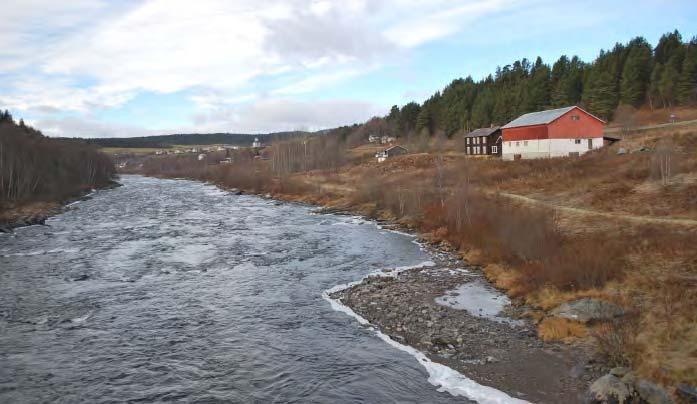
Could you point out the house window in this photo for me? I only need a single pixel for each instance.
(484, 140)
(494, 149)
(577, 141)
(525, 143)
(575, 117)
(517, 144)
(467, 140)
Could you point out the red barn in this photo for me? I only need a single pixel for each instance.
(569, 131)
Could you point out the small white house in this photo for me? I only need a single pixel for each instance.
(256, 143)
(201, 157)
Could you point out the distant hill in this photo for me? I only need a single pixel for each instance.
(166, 141)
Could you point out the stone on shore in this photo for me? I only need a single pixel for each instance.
(586, 310)
(650, 393)
(609, 389)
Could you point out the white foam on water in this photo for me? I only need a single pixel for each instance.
(82, 319)
(350, 220)
(40, 252)
(445, 378)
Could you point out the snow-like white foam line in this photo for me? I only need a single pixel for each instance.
(40, 252)
(445, 378)
(94, 191)
(380, 227)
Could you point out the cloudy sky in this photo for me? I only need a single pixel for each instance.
(98, 68)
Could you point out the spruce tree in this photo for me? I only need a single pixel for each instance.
(668, 84)
(636, 73)
(424, 121)
(654, 92)
(601, 98)
(538, 88)
(687, 84)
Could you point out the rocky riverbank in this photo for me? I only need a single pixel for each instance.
(36, 213)
(498, 350)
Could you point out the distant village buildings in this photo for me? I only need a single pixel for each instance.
(382, 139)
(256, 143)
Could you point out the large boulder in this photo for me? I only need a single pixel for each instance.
(609, 389)
(585, 310)
(650, 393)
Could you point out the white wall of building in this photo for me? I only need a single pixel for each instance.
(542, 148)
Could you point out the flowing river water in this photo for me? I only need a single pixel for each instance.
(172, 290)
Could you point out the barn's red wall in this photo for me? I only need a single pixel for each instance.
(566, 128)
(525, 133)
(563, 128)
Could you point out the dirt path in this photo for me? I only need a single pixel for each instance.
(610, 215)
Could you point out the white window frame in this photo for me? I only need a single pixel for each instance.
(577, 141)
(494, 149)
(467, 140)
(483, 140)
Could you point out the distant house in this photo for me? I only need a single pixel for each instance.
(388, 139)
(374, 139)
(569, 131)
(201, 157)
(390, 152)
(484, 141)
(256, 143)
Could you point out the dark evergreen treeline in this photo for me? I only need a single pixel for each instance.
(166, 141)
(633, 74)
(34, 167)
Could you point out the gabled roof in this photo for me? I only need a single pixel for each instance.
(542, 117)
(396, 147)
(483, 131)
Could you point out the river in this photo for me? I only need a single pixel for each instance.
(172, 290)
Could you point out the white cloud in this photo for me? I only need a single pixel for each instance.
(86, 55)
(80, 127)
(281, 114)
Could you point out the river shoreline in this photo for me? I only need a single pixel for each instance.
(37, 213)
(513, 360)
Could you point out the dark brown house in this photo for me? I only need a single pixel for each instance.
(484, 141)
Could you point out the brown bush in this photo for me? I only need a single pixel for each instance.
(617, 339)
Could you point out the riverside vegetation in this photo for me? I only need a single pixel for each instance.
(38, 173)
(616, 224)
(541, 255)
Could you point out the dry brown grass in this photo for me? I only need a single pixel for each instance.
(560, 329)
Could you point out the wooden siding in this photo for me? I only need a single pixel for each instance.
(583, 127)
(525, 133)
